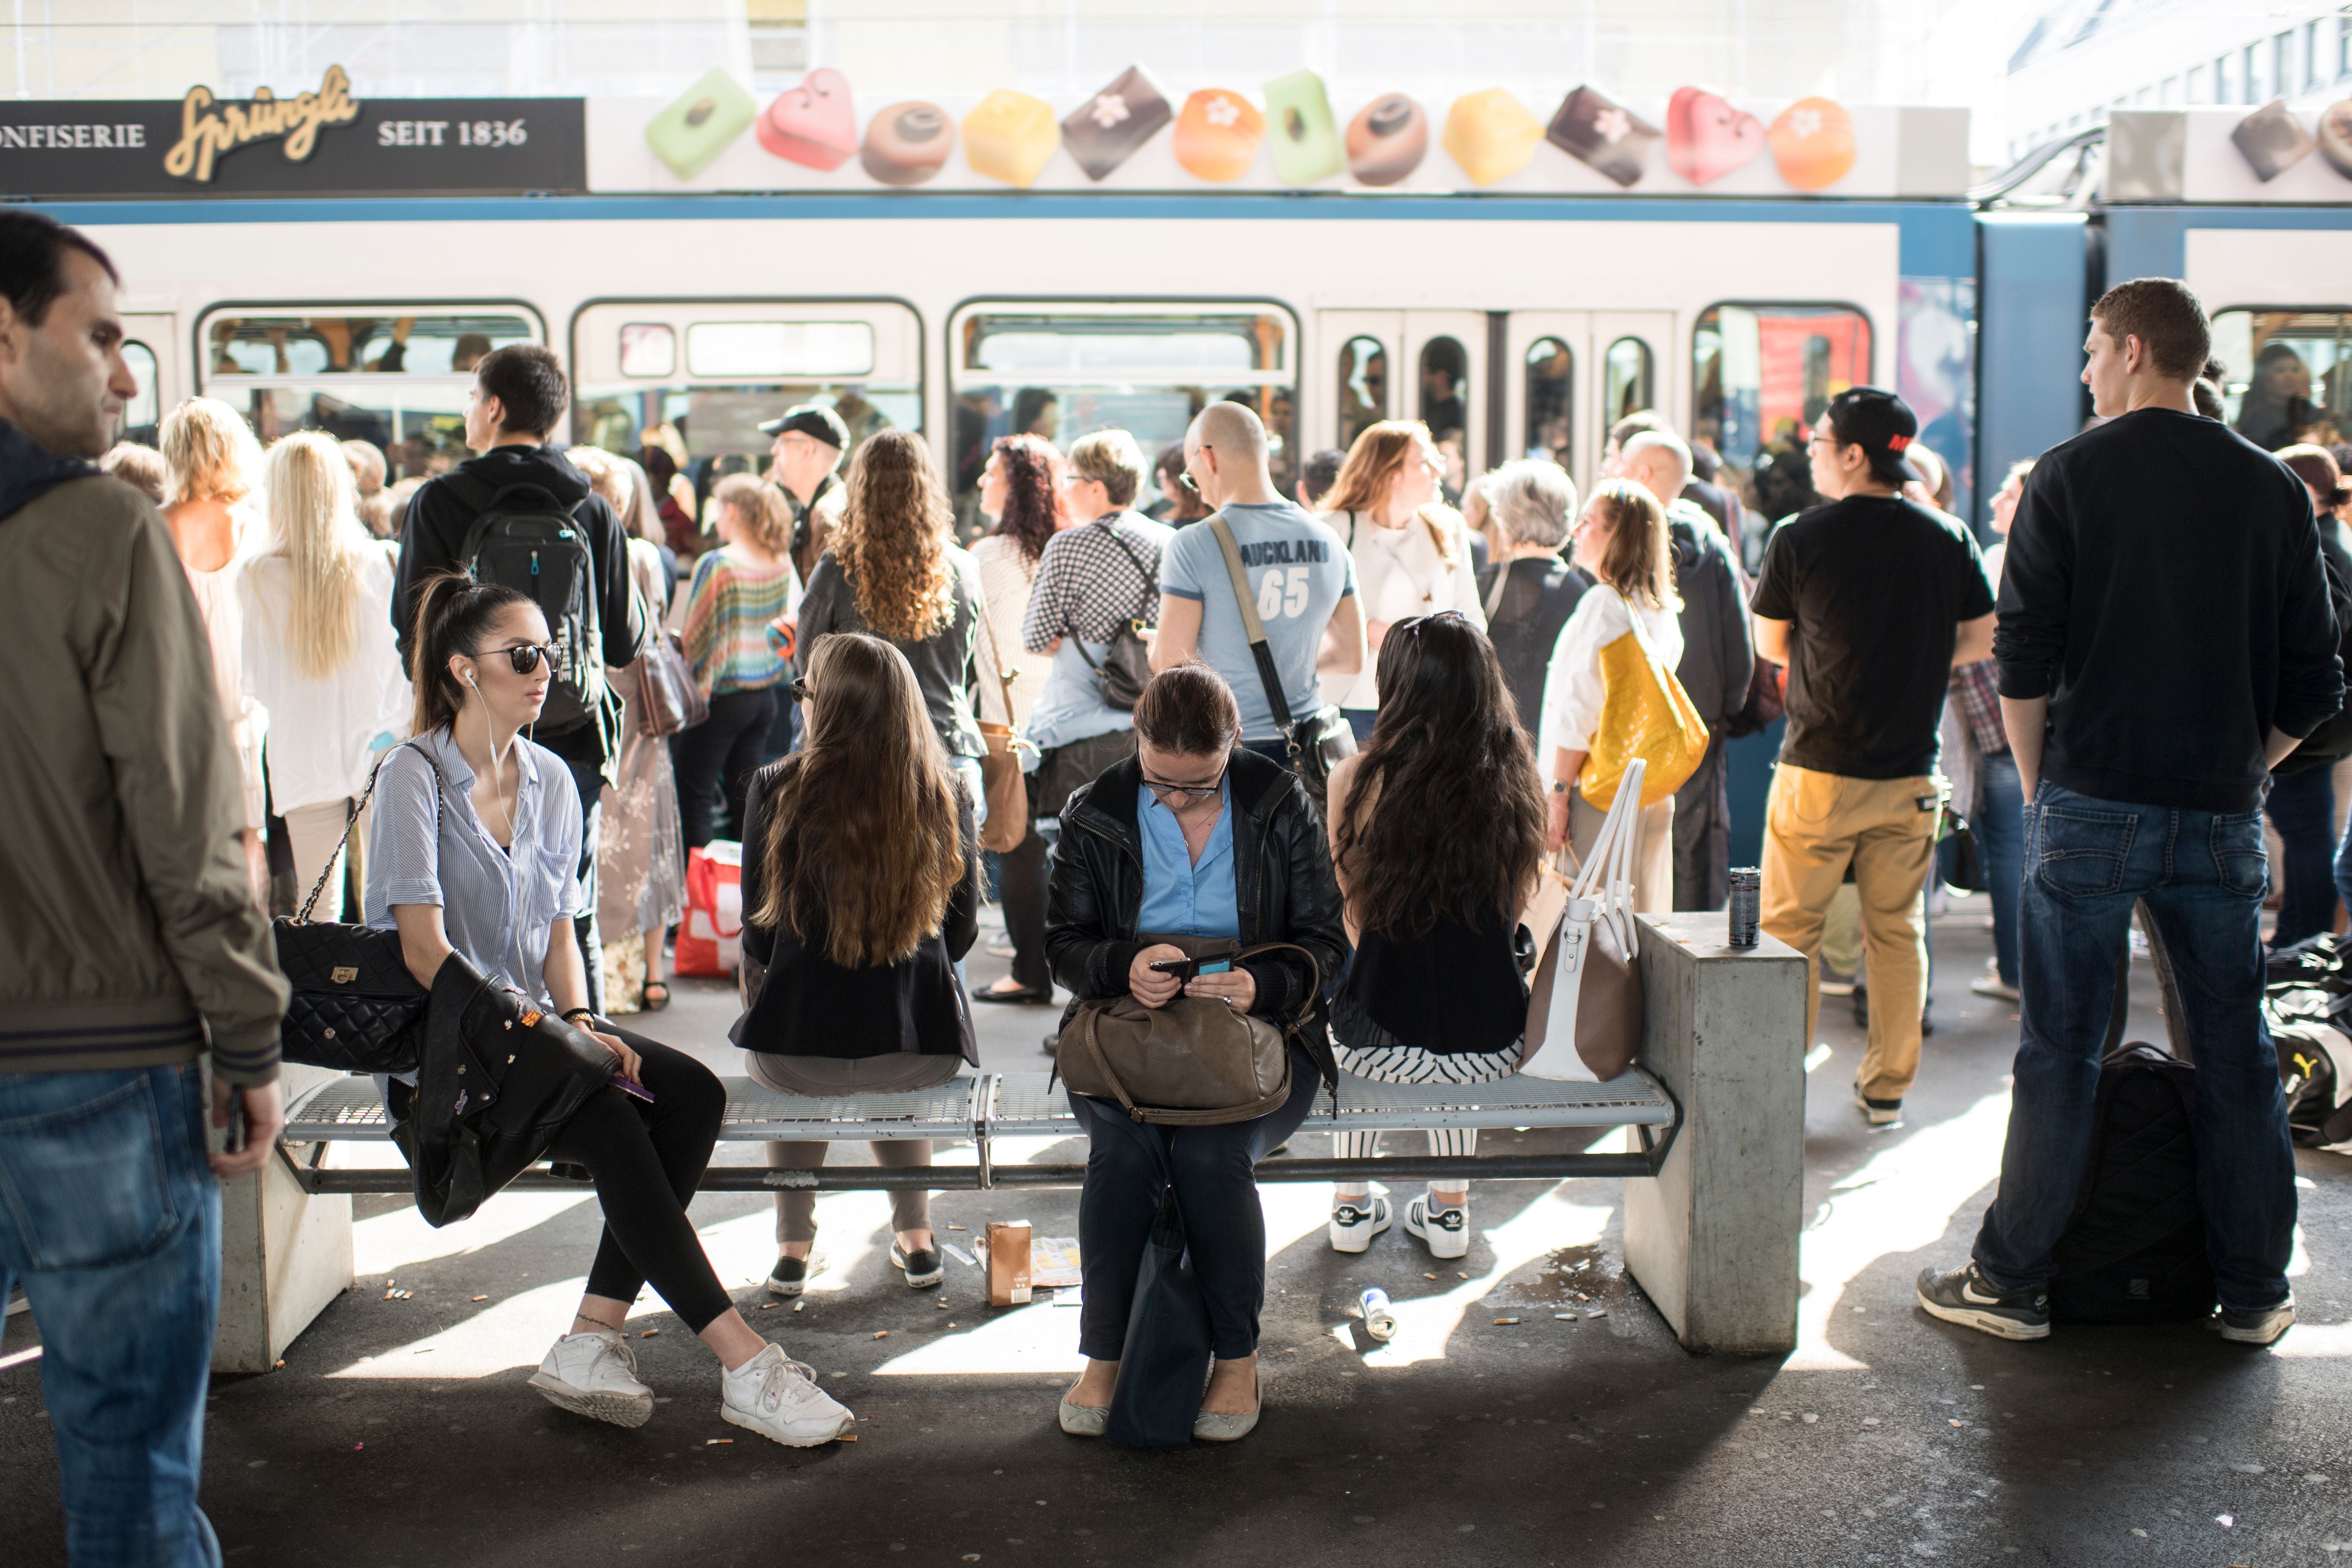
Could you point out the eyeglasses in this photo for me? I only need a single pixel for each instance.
(523, 659)
(799, 689)
(1185, 478)
(1185, 795)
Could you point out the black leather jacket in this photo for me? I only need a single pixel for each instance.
(1282, 879)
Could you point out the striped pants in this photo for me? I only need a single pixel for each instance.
(1364, 1145)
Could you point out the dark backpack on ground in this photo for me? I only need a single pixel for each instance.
(525, 539)
(2134, 1251)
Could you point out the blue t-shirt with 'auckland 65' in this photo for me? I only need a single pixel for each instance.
(1299, 572)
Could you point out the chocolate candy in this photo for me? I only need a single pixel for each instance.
(1217, 134)
(1306, 139)
(1598, 132)
(1387, 140)
(2273, 139)
(700, 123)
(1491, 134)
(1707, 137)
(907, 143)
(1009, 137)
(2335, 136)
(813, 123)
(1109, 128)
(1812, 140)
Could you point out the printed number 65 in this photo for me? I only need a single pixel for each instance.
(1281, 593)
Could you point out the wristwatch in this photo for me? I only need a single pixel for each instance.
(1562, 786)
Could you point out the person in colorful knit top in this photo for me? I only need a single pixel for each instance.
(738, 589)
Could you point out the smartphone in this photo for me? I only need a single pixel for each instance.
(233, 1141)
(1186, 968)
(630, 1086)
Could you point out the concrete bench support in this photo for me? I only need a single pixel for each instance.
(1713, 1240)
(285, 1254)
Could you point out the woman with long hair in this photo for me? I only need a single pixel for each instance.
(1412, 550)
(861, 889)
(1622, 544)
(2277, 404)
(318, 653)
(1436, 829)
(475, 850)
(738, 589)
(1022, 487)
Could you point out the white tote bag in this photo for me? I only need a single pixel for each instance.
(1584, 1000)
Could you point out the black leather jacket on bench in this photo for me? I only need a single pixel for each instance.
(1281, 881)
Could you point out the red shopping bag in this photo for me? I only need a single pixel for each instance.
(710, 941)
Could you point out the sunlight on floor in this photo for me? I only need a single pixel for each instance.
(1426, 1326)
(387, 1242)
(512, 1332)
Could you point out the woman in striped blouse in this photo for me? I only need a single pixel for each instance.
(739, 588)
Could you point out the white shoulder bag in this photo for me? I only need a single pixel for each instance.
(1584, 1000)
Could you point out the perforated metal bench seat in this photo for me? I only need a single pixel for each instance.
(980, 1109)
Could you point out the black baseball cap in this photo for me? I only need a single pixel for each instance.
(1878, 421)
(811, 419)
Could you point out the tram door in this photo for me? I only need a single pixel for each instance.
(151, 348)
(1429, 365)
(1573, 374)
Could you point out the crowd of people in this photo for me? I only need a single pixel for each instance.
(1299, 763)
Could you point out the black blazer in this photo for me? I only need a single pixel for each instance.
(809, 1005)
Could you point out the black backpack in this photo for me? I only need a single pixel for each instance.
(2135, 1250)
(525, 539)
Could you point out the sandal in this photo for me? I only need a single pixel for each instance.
(652, 1003)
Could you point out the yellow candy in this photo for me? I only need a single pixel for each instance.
(1491, 134)
(1010, 137)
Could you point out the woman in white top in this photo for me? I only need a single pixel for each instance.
(214, 463)
(318, 654)
(1622, 545)
(1412, 553)
(1021, 487)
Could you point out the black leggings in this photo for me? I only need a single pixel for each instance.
(1020, 879)
(726, 749)
(647, 1160)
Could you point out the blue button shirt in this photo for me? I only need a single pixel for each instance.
(1181, 897)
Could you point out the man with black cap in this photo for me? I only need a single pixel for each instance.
(809, 441)
(1869, 601)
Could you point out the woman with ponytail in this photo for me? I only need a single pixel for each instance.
(475, 849)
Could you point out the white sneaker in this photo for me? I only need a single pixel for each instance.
(777, 1397)
(1355, 1221)
(1993, 985)
(1446, 1231)
(595, 1375)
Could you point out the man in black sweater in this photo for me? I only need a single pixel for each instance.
(2154, 669)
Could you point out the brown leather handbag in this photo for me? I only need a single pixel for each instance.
(1195, 1062)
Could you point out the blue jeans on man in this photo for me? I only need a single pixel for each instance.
(110, 1220)
(2202, 875)
(2301, 806)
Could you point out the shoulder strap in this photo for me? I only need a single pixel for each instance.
(996, 659)
(1270, 678)
(1133, 559)
(351, 817)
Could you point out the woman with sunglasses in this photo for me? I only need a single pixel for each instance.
(1192, 845)
(475, 849)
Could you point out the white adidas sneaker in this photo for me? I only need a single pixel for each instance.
(1355, 1221)
(595, 1375)
(777, 1397)
(1445, 1231)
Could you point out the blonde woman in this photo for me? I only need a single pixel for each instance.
(318, 653)
(739, 588)
(1412, 552)
(1622, 545)
(213, 463)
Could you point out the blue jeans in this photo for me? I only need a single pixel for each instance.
(2301, 806)
(2202, 876)
(2000, 838)
(110, 1220)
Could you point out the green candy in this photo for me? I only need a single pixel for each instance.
(1300, 130)
(701, 123)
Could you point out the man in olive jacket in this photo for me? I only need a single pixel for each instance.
(133, 942)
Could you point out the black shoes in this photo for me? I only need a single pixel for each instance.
(922, 1267)
(1966, 1297)
(1026, 996)
(790, 1274)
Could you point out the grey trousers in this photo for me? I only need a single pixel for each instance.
(821, 1077)
(1703, 834)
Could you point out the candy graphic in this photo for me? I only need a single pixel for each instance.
(1106, 130)
(1009, 137)
(2335, 136)
(813, 123)
(1217, 134)
(1812, 140)
(1305, 138)
(907, 143)
(2273, 139)
(1491, 134)
(1593, 130)
(1707, 137)
(699, 125)
(1387, 140)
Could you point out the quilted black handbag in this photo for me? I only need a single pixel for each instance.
(355, 1006)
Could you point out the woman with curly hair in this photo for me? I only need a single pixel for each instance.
(1436, 829)
(892, 570)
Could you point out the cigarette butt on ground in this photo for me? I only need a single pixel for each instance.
(1501, 1321)
(481, 1298)
(649, 1333)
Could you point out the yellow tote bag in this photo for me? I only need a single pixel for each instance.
(1644, 714)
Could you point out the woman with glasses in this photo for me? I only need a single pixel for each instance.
(861, 890)
(1436, 828)
(475, 849)
(738, 590)
(1193, 847)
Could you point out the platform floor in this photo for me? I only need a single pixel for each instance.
(1886, 1439)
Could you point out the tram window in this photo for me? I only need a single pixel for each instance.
(1066, 371)
(759, 350)
(1363, 387)
(1444, 384)
(1626, 379)
(649, 348)
(1760, 377)
(144, 413)
(1551, 391)
(2289, 374)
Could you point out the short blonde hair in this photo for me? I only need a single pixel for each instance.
(209, 451)
(1112, 460)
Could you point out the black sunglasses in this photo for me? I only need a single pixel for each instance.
(523, 659)
(799, 689)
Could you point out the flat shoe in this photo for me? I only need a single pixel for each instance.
(651, 1002)
(1085, 1420)
(1209, 1427)
(1026, 996)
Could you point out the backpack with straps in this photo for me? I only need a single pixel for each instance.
(525, 539)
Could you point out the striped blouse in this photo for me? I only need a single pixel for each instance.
(727, 610)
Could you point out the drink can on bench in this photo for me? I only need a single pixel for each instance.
(1746, 907)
